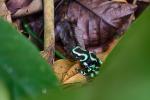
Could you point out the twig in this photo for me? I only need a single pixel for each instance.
(30, 32)
(134, 2)
(49, 37)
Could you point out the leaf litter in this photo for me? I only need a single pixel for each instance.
(97, 26)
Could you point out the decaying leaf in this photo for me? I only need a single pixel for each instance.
(142, 5)
(78, 78)
(4, 11)
(104, 55)
(33, 7)
(92, 24)
(61, 67)
(72, 71)
(66, 72)
(96, 22)
(14, 5)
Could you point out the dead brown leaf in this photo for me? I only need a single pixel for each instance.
(72, 71)
(104, 55)
(14, 5)
(33, 7)
(78, 78)
(4, 12)
(61, 67)
(66, 72)
(94, 23)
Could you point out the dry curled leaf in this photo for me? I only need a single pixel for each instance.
(66, 72)
(96, 22)
(33, 7)
(61, 67)
(77, 78)
(72, 71)
(18, 4)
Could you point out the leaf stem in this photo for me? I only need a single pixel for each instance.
(29, 31)
(58, 54)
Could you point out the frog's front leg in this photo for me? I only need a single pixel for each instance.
(83, 72)
(89, 72)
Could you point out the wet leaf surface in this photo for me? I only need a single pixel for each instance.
(126, 73)
(21, 67)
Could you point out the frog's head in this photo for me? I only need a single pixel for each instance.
(86, 58)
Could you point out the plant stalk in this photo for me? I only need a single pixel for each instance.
(49, 37)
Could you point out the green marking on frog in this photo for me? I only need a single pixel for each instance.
(79, 54)
(89, 61)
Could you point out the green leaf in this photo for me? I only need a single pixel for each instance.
(124, 76)
(21, 66)
(4, 93)
(126, 73)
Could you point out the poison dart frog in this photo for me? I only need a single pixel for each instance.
(91, 64)
(89, 61)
